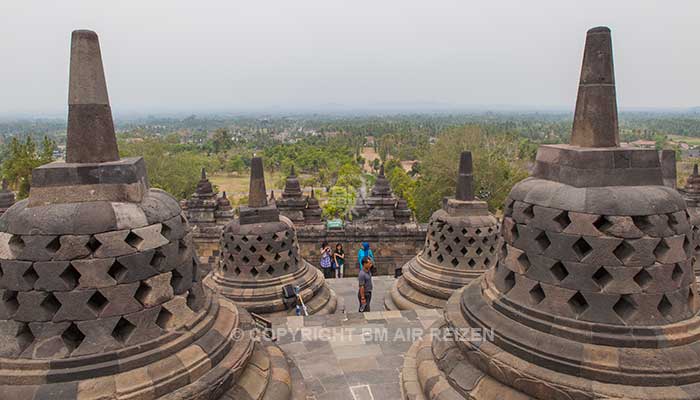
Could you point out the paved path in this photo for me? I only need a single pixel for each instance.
(346, 288)
(354, 356)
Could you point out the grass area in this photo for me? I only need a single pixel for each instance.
(693, 141)
(236, 186)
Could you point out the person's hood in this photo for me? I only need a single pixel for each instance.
(365, 246)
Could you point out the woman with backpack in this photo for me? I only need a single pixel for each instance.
(326, 266)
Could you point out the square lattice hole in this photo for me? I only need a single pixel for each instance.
(677, 273)
(643, 278)
(536, 294)
(625, 307)
(665, 307)
(559, 271)
(582, 248)
(602, 277)
(578, 303)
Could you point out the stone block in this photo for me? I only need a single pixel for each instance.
(113, 244)
(120, 300)
(137, 266)
(155, 290)
(17, 275)
(151, 237)
(55, 275)
(95, 272)
(72, 247)
(35, 306)
(79, 305)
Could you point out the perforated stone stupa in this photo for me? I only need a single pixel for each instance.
(461, 244)
(7, 197)
(99, 292)
(260, 255)
(208, 213)
(594, 295)
(691, 194)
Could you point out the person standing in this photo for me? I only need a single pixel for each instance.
(364, 294)
(339, 258)
(326, 266)
(364, 251)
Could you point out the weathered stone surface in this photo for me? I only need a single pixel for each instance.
(89, 266)
(90, 136)
(260, 255)
(593, 295)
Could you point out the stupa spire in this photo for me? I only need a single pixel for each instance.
(90, 137)
(204, 173)
(465, 180)
(595, 118)
(257, 196)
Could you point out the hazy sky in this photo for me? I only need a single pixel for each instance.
(166, 55)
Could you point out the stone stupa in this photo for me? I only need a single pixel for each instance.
(99, 292)
(7, 197)
(260, 255)
(691, 194)
(207, 213)
(462, 243)
(381, 206)
(292, 203)
(313, 211)
(594, 295)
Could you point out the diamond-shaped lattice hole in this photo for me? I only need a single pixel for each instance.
(142, 292)
(254, 271)
(686, 245)
(450, 229)
(623, 251)
(70, 276)
(559, 271)
(471, 263)
(165, 231)
(117, 271)
(563, 220)
(485, 239)
(677, 273)
(464, 251)
(237, 248)
(487, 261)
(97, 302)
(24, 336)
(30, 276)
(72, 337)
(259, 238)
(269, 248)
(582, 248)
(50, 304)
(134, 240)
(514, 232)
(164, 318)
(602, 277)
(157, 260)
(244, 238)
(529, 211)
(661, 249)
(457, 240)
(478, 231)
(252, 249)
(16, 243)
(542, 241)
(442, 238)
(261, 259)
(176, 279)
(471, 241)
(642, 222)
(440, 258)
(54, 245)
(536, 294)
(448, 249)
(454, 262)
(237, 271)
(479, 251)
(643, 278)
(270, 270)
(625, 307)
(665, 307)
(602, 223)
(524, 261)
(578, 303)
(277, 256)
(286, 266)
(123, 330)
(245, 259)
(9, 301)
(464, 231)
(509, 281)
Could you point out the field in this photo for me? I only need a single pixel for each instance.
(691, 140)
(236, 186)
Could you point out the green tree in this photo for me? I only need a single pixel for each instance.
(21, 159)
(340, 201)
(495, 171)
(221, 141)
(403, 186)
(175, 172)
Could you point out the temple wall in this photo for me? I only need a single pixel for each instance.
(392, 247)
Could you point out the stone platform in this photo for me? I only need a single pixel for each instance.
(355, 356)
